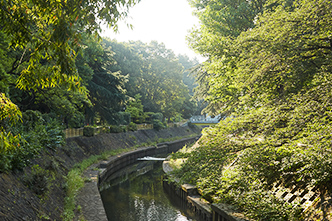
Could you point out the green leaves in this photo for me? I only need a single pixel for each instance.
(9, 112)
(52, 30)
(155, 73)
(270, 72)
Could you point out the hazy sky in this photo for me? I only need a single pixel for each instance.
(166, 21)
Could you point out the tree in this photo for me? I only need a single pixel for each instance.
(273, 78)
(107, 94)
(155, 73)
(39, 42)
(51, 31)
(188, 79)
(135, 108)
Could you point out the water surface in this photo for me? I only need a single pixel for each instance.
(136, 194)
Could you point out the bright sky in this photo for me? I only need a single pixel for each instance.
(165, 21)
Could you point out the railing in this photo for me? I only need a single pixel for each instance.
(77, 132)
(144, 126)
(73, 132)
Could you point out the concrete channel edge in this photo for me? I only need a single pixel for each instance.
(89, 197)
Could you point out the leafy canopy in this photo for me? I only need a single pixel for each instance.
(269, 70)
(51, 31)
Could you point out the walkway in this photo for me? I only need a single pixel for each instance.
(89, 197)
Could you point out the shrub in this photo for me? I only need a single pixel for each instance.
(35, 133)
(158, 125)
(76, 120)
(124, 128)
(125, 118)
(157, 116)
(121, 118)
(39, 180)
(132, 127)
(88, 131)
(116, 129)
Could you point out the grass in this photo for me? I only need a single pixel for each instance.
(75, 181)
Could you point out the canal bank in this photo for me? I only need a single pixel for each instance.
(89, 199)
(21, 201)
(189, 195)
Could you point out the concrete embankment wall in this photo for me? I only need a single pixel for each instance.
(89, 198)
(118, 162)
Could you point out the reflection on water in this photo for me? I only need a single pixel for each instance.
(140, 197)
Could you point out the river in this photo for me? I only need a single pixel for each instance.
(136, 193)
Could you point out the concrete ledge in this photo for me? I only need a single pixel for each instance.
(115, 163)
(202, 208)
(227, 212)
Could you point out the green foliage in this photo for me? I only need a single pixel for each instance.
(49, 31)
(9, 112)
(39, 181)
(124, 128)
(107, 94)
(88, 131)
(124, 118)
(132, 126)
(135, 108)
(41, 131)
(269, 71)
(9, 143)
(157, 116)
(116, 129)
(34, 135)
(74, 182)
(157, 124)
(76, 120)
(187, 78)
(155, 73)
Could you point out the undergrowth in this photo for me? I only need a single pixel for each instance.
(75, 180)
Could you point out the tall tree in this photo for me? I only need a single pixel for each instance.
(155, 73)
(273, 77)
(106, 88)
(39, 41)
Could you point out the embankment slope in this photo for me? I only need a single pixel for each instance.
(37, 192)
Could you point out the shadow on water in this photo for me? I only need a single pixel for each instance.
(136, 193)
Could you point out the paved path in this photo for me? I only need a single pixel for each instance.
(89, 197)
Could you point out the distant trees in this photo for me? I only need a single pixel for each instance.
(156, 74)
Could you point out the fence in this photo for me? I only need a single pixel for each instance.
(73, 132)
(77, 132)
(144, 126)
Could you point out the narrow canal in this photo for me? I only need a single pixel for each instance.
(136, 193)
